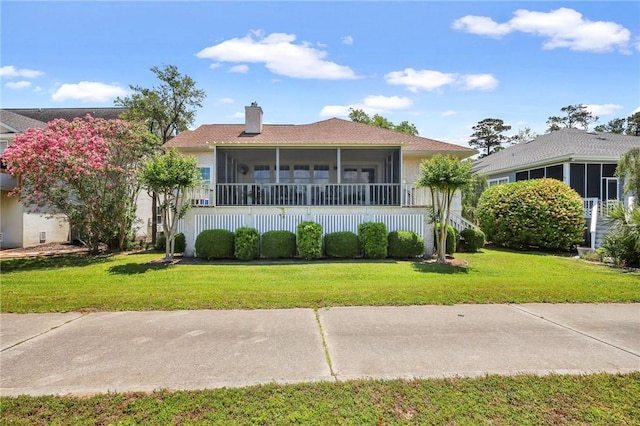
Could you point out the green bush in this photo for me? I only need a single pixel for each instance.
(622, 243)
(309, 240)
(247, 244)
(373, 240)
(278, 244)
(405, 244)
(215, 244)
(544, 213)
(343, 245)
(474, 239)
(179, 245)
(453, 239)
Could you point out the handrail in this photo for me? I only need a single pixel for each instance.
(460, 223)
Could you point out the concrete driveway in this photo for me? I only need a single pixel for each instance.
(74, 353)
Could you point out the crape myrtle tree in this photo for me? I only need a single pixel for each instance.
(488, 137)
(166, 109)
(169, 176)
(443, 175)
(85, 169)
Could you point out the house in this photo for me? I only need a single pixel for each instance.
(335, 172)
(584, 160)
(20, 226)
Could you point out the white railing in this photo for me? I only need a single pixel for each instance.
(333, 194)
(460, 223)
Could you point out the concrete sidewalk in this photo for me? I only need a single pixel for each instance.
(142, 351)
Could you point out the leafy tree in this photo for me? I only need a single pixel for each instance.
(443, 175)
(622, 243)
(168, 176)
(87, 170)
(629, 170)
(617, 125)
(576, 116)
(471, 195)
(166, 109)
(628, 126)
(524, 135)
(359, 116)
(488, 135)
(633, 124)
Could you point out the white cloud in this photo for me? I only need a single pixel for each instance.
(280, 55)
(242, 69)
(227, 101)
(215, 65)
(236, 115)
(17, 85)
(429, 80)
(561, 28)
(348, 40)
(605, 109)
(635, 110)
(479, 82)
(448, 113)
(372, 104)
(88, 91)
(481, 25)
(420, 79)
(37, 89)
(9, 71)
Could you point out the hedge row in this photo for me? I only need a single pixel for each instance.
(372, 242)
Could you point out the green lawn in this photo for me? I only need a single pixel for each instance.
(134, 282)
(519, 400)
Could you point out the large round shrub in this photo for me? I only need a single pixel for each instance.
(309, 240)
(453, 239)
(342, 245)
(179, 243)
(474, 239)
(278, 244)
(373, 240)
(405, 244)
(247, 243)
(543, 213)
(215, 244)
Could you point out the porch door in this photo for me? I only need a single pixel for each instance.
(354, 178)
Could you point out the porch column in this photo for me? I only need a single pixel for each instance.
(277, 164)
(339, 163)
(214, 178)
(566, 172)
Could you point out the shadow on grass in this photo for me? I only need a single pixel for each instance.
(51, 262)
(136, 268)
(434, 268)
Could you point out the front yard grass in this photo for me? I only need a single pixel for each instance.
(528, 400)
(134, 282)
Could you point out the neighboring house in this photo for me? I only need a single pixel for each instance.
(335, 172)
(584, 160)
(20, 226)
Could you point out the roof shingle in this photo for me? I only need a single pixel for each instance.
(333, 131)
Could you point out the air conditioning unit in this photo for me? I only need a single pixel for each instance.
(43, 237)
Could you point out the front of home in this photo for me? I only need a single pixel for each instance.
(334, 172)
(586, 161)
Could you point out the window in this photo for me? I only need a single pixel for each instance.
(3, 146)
(498, 181)
(284, 174)
(261, 174)
(205, 174)
(522, 176)
(321, 174)
(301, 174)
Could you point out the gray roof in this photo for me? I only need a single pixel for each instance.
(559, 146)
(47, 114)
(19, 123)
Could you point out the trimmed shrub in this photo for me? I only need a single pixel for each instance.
(278, 244)
(309, 240)
(373, 240)
(215, 244)
(453, 239)
(544, 213)
(179, 246)
(343, 245)
(247, 244)
(474, 239)
(405, 244)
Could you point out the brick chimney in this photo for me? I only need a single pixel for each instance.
(253, 119)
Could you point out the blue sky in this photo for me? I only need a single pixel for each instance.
(443, 66)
